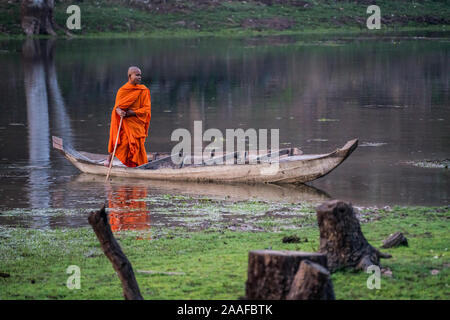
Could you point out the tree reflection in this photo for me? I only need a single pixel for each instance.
(42, 91)
(38, 122)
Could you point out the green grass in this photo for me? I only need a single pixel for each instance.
(215, 260)
(111, 19)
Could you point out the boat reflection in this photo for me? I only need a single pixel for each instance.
(238, 191)
(127, 208)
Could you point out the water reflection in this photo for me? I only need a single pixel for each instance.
(61, 120)
(40, 79)
(38, 122)
(127, 208)
(239, 191)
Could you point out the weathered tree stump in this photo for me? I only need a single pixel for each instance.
(99, 222)
(312, 282)
(37, 17)
(342, 240)
(270, 273)
(395, 240)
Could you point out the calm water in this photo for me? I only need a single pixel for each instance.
(393, 94)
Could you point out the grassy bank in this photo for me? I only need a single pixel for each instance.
(236, 18)
(213, 259)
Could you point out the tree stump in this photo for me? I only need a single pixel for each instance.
(37, 17)
(312, 282)
(270, 273)
(99, 222)
(342, 240)
(395, 240)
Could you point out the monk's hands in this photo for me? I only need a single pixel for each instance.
(124, 114)
(121, 112)
(130, 113)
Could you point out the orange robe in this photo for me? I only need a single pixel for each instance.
(130, 146)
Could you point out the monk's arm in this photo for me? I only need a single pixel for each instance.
(121, 111)
(121, 106)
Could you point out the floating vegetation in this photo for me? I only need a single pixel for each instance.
(384, 106)
(327, 120)
(372, 144)
(326, 43)
(438, 164)
(316, 140)
(160, 213)
(47, 212)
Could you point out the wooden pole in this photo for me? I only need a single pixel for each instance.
(99, 222)
(114, 152)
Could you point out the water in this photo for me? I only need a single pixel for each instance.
(393, 94)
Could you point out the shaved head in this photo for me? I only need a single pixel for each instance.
(134, 75)
(133, 69)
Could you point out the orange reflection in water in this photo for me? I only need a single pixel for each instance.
(128, 211)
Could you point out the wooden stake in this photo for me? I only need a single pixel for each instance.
(99, 222)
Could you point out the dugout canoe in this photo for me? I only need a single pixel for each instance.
(291, 166)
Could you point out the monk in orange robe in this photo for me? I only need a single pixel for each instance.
(134, 105)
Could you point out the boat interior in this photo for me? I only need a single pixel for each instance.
(159, 160)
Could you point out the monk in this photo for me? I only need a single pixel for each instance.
(134, 106)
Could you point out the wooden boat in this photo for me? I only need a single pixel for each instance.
(278, 166)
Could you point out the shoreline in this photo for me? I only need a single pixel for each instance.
(196, 211)
(231, 34)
